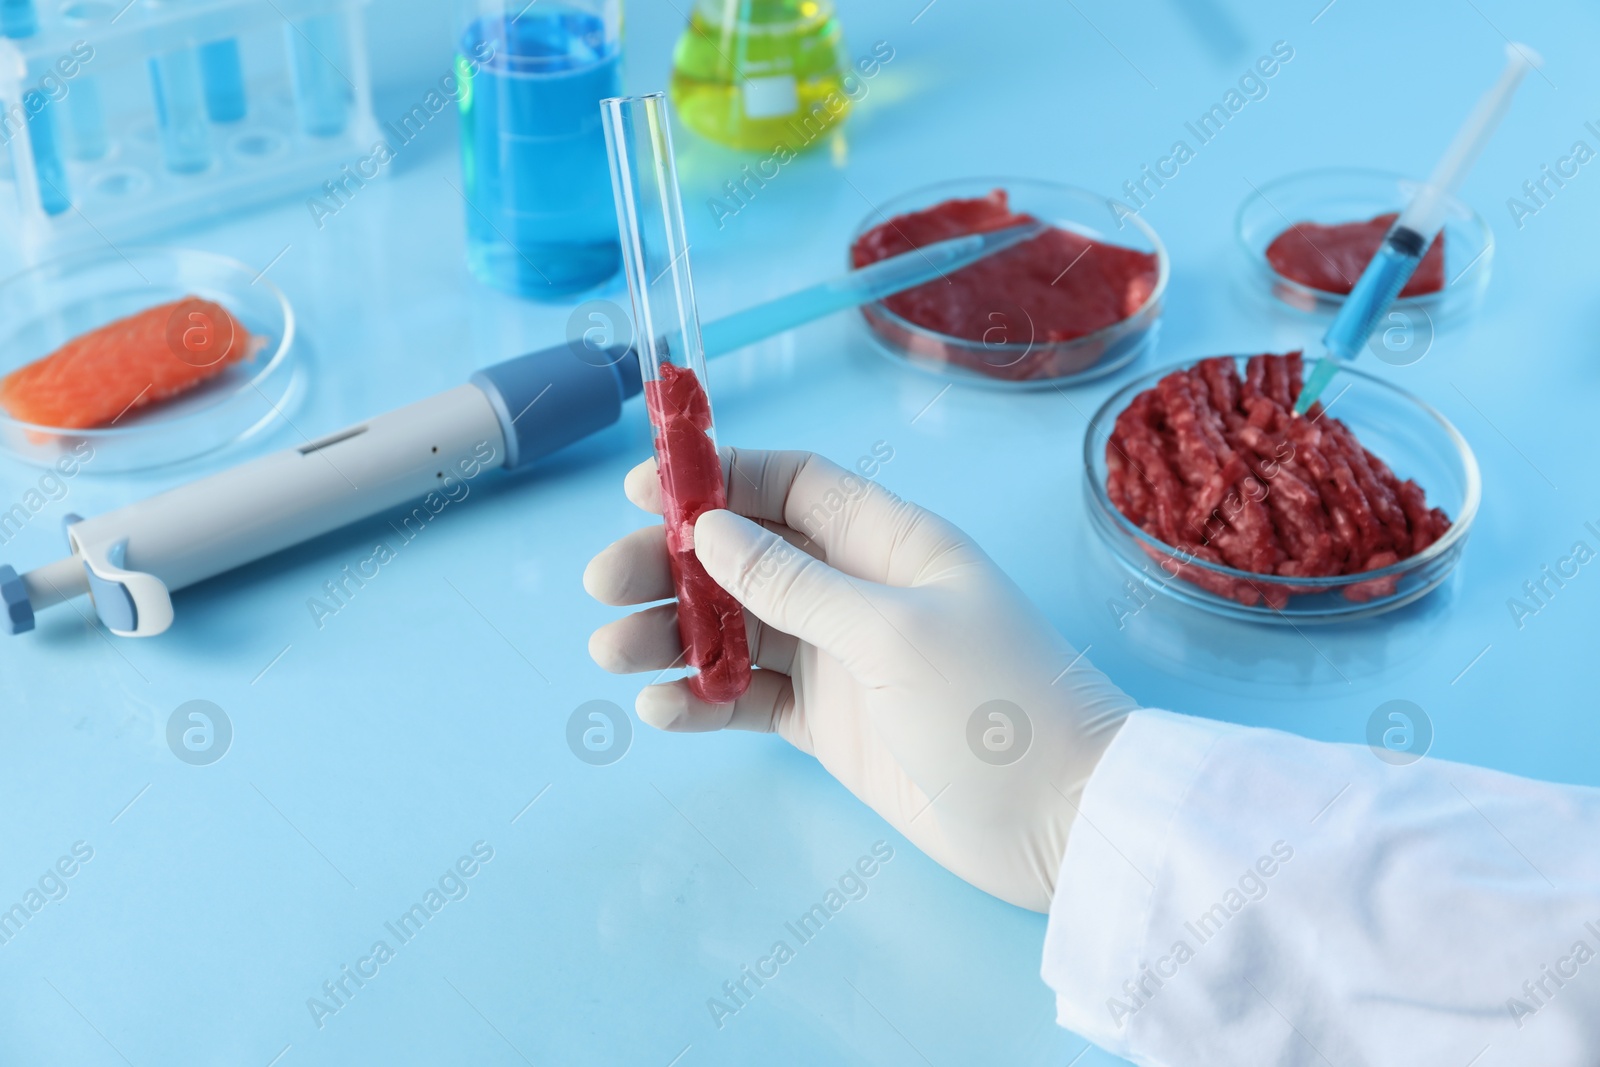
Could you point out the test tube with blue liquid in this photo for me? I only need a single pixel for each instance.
(63, 83)
(539, 212)
(224, 80)
(47, 163)
(191, 86)
(18, 19)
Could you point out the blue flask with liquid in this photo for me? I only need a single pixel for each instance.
(539, 213)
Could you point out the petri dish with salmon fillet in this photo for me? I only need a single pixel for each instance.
(139, 360)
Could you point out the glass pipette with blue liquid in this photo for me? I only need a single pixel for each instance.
(1408, 239)
(862, 286)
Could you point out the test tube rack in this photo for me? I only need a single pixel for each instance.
(120, 122)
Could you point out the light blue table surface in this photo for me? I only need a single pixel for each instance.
(428, 715)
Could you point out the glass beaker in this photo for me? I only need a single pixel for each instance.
(540, 221)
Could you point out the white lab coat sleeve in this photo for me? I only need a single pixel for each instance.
(1235, 896)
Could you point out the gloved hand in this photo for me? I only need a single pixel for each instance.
(891, 649)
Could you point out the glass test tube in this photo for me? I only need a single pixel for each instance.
(224, 80)
(47, 164)
(85, 121)
(322, 94)
(18, 18)
(180, 111)
(644, 182)
(86, 118)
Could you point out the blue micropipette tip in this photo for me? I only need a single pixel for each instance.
(1321, 375)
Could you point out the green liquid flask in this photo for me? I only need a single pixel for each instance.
(757, 74)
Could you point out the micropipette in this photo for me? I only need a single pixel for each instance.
(130, 560)
(1408, 239)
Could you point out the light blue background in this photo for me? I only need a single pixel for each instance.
(428, 713)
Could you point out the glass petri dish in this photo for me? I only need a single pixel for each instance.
(1025, 364)
(1349, 194)
(1416, 441)
(46, 306)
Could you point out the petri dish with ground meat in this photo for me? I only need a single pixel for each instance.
(1207, 488)
(1078, 302)
(1307, 236)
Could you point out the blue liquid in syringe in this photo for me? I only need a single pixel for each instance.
(1377, 288)
(1369, 300)
(540, 217)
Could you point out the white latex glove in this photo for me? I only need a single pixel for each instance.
(880, 631)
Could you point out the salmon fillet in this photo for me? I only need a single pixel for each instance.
(97, 377)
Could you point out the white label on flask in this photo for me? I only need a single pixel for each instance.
(771, 97)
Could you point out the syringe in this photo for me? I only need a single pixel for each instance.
(1403, 246)
(509, 416)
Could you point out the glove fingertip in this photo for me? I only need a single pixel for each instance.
(594, 580)
(718, 536)
(663, 706)
(642, 486)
